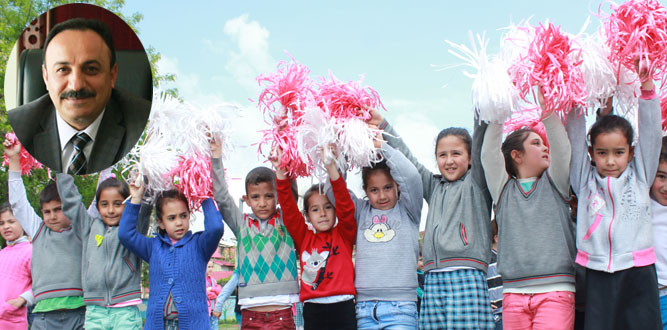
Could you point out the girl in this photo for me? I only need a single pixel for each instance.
(177, 258)
(614, 238)
(457, 239)
(327, 272)
(387, 242)
(535, 231)
(212, 291)
(111, 274)
(16, 279)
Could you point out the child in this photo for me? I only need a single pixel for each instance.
(327, 272)
(659, 208)
(535, 231)
(212, 291)
(111, 273)
(16, 280)
(457, 237)
(56, 255)
(267, 263)
(387, 242)
(177, 258)
(614, 239)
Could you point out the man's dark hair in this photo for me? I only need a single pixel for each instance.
(259, 175)
(49, 194)
(83, 24)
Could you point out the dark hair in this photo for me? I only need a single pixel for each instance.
(5, 207)
(663, 150)
(514, 141)
(460, 133)
(259, 175)
(166, 195)
(608, 124)
(49, 194)
(123, 188)
(314, 189)
(367, 171)
(83, 24)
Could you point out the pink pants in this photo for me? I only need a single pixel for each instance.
(550, 310)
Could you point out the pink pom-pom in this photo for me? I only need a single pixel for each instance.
(663, 107)
(347, 100)
(285, 138)
(192, 177)
(637, 29)
(527, 119)
(552, 64)
(289, 86)
(27, 162)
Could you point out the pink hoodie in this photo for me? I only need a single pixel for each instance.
(16, 279)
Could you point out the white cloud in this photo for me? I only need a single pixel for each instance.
(252, 56)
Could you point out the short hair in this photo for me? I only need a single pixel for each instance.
(49, 194)
(460, 133)
(123, 188)
(608, 124)
(6, 207)
(172, 194)
(259, 175)
(663, 150)
(83, 24)
(514, 141)
(368, 170)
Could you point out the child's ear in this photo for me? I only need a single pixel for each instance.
(632, 153)
(245, 198)
(516, 156)
(160, 224)
(590, 154)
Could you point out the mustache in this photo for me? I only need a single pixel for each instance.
(80, 94)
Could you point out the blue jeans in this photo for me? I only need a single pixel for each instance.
(394, 315)
(663, 311)
(214, 323)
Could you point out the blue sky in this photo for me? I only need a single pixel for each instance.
(218, 47)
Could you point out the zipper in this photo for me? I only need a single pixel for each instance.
(613, 214)
(107, 297)
(436, 261)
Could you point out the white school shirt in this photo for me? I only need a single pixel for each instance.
(66, 132)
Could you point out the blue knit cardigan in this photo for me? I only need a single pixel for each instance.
(179, 268)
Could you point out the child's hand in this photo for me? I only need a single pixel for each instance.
(275, 157)
(644, 75)
(376, 117)
(330, 163)
(137, 189)
(216, 146)
(13, 152)
(216, 314)
(607, 106)
(17, 302)
(378, 140)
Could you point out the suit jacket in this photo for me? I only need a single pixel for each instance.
(123, 123)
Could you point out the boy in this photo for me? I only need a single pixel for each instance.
(659, 208)
(268, 283)
(56, 257)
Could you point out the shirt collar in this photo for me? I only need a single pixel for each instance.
(66, 132)
(18, 240)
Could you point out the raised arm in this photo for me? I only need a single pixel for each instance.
(649, 130)
(127, 230)
(493, 161)
(72, 205)
(18, 199)
(213, 229)
(347, 223)
(408, 179)
(477, 170)
(227, 291)
(559, 153)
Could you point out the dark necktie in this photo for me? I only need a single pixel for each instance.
(78, 163)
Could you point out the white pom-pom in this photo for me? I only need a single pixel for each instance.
(314, 134)
(356, 141)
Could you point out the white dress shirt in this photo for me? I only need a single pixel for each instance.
(66, 132)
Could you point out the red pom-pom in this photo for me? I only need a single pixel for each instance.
(347, 100)
(192, 177)
(289, 86)
(637, 29)
(28, 163)
(552, 64)
(527, 119)
(285, 138)
(663, 107)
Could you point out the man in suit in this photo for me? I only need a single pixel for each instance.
(84, 124)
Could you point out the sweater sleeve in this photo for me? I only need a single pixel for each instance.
(292, 218)
(649, 141)
(231, 213)
(476, 169)
(72, 205)
(396, 142)
(213, 229)
(493, 161)
(128, 235)
(21, 208)
(559, 149)
(408, 179)
(347, 224)
(580, 163)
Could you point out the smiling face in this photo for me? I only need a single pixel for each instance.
(611, 153)
(452, 156)
(78, 75)
(54, 218)
(111, 206)
(659, 187)
(262, 199)
(534, 159)
(175, 219)
(320, 213)
(382, 190)
(10, 228)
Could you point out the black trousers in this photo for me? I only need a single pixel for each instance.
(337, 316)
(623, 300)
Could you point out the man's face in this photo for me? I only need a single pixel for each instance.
(78, 76)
